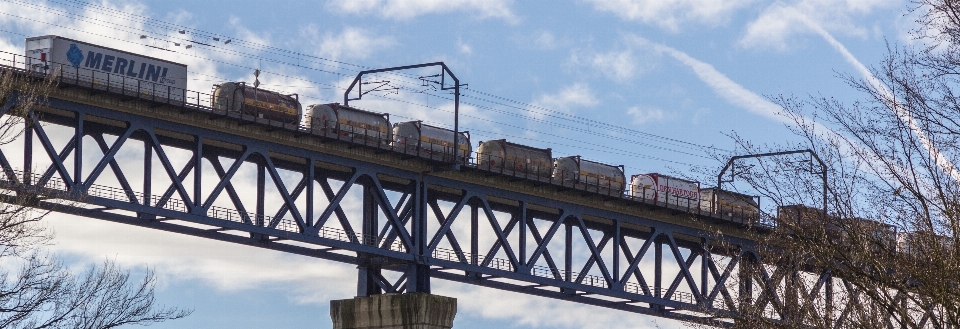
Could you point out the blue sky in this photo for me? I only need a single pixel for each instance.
(647, 84)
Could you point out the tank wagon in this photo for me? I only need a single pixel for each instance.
(879, 236)
(514, 159)
(350, 124)
(873, 233)
(806, 217)
(676, 192)
(435, 143)
(589, 175)
(238, 98)
(742, 207)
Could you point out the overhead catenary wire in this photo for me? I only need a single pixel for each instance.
(336, 87)
(164, 38)
(500, 134)
(187, 29)
(537, 109)
(497, 135)
(585, 121)
(618, 152)
(646, 156)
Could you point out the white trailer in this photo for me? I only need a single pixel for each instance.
(665, 189)
(106, 68)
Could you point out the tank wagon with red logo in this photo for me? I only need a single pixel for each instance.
(675, 192)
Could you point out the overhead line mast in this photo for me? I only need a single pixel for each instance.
(442, 83)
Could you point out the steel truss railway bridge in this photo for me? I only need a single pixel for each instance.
(417, 221)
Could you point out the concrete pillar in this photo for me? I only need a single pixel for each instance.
(394, 311)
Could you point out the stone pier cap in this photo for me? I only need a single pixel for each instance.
(394, 311)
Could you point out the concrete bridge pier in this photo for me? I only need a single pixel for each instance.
(394, 311)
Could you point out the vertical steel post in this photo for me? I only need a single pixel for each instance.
(657, 266)
(367, 274)
(522, 212)
(311, 180)
(147, 176)
(745, 294)
(617, 239)
(828, 299)
(456, 124)
(474, 232)
(197, 174)
(791, 299)
(261, 191)
(568, 252)
(78, 152)
(28, 151)
(704, 268)
(418, 275)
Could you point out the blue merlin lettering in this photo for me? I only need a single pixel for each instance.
(74, 55)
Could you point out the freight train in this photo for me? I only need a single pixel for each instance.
(160, 80)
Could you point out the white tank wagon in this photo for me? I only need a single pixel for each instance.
(435, 143)
(739, 207)
(236, 98)
(663, 189)
(349, 124)
(519, 160)
(589, 175)
(107, 68)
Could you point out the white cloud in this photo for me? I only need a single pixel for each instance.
(176, 257)
(641, 115)
(670, 14)
(573, 96)
(464, 47)
(618, 65)
(720, 83)
(780, 21)
(406, 9)
(545, 40)
(351, 43)
(248, 35)
(941, 160)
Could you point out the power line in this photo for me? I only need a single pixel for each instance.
(542, 110)
(560, 115)
(595, 123)
(619, 151)
(187, 29)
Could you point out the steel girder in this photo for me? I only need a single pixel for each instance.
(411, 225)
